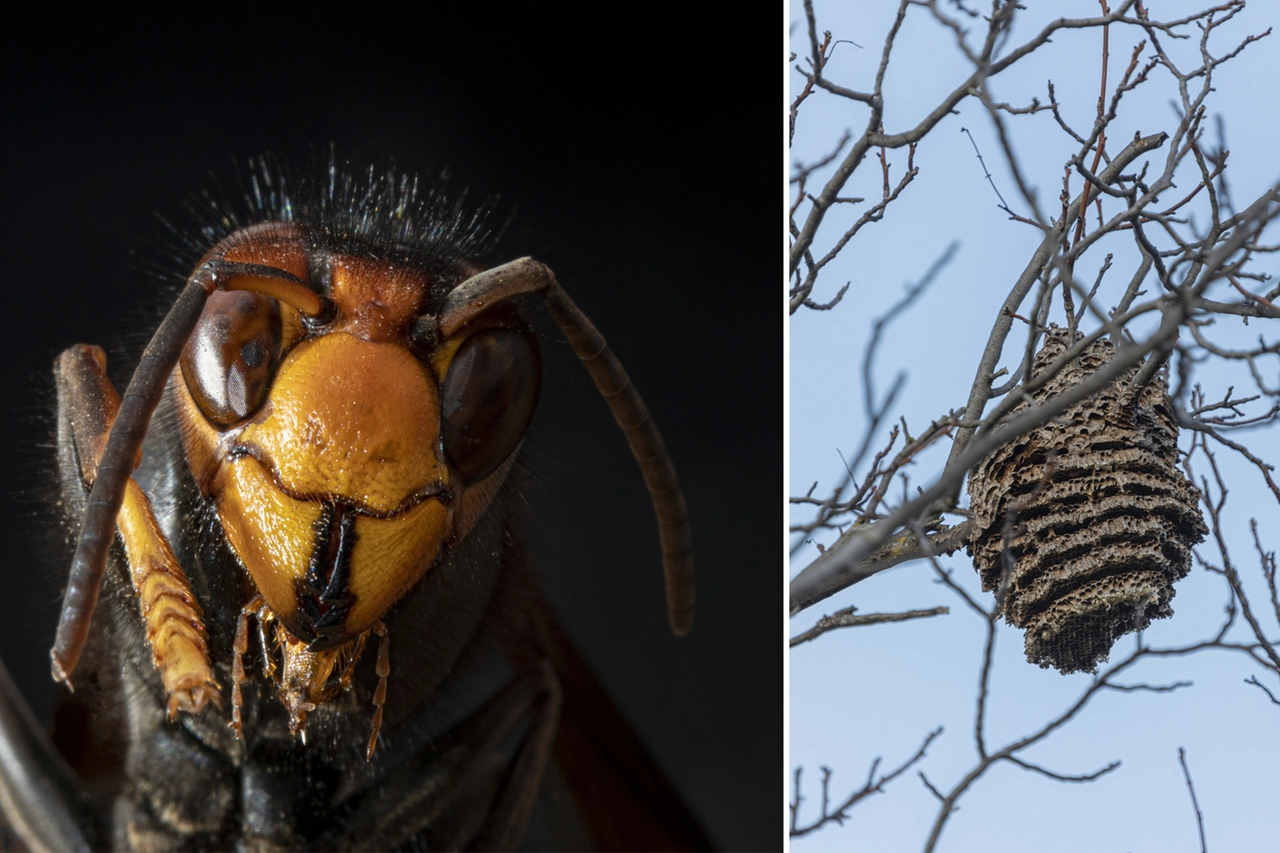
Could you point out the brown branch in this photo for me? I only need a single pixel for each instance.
(846, 619)
(1186, 774)
(872, 139)
(979, 393)
(1102, 137)
(1253, 679)
(903, 547)
(819, 60)
(872, 786)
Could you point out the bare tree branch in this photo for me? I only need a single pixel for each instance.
(846, 619)
(873, 785)
(1186, 773)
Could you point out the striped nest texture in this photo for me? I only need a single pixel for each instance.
(1099, 518)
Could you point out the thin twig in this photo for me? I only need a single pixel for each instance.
(846, 619)
(1186, 773)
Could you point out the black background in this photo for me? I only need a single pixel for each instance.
(638, 151)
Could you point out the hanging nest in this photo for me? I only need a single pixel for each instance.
(1097, 517)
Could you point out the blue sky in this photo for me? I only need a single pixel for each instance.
(861, 693)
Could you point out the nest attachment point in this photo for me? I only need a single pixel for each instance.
(1098, 519)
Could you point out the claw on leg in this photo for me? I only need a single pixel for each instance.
(380, 693)
(175, 623)
(237, 660)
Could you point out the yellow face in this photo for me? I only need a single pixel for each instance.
(342, 459)
(341, 476)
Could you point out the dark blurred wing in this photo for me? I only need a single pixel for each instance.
(623, 798)
(42, 804)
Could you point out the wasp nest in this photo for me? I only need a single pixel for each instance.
(1098, 520)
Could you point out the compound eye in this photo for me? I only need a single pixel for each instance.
(488, 398)
(232, 355)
